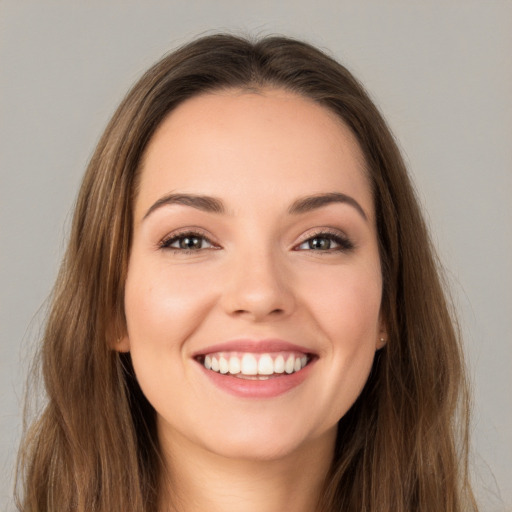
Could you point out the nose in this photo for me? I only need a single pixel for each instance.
(259, 287)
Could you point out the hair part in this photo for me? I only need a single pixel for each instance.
(95, 447)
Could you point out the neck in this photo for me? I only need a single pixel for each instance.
(199, 480)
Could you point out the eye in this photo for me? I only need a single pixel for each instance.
(188, 242)
(326, 242)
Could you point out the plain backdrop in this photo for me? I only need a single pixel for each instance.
(441, 72)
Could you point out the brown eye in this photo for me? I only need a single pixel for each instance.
(190, 242)
(187, 242)
(319, 243)
(326, 242)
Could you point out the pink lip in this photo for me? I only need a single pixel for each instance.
(270, 388)
(256, 347)
(245, 388)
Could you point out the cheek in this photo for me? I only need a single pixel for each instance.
(160, 303)
(351, 322)
(346, 310)
(346, 304)
(163, 309)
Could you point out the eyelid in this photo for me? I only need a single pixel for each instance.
(345, 243)
(165, 242)
(321, 231)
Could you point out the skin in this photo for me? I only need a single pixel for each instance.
(258, 278)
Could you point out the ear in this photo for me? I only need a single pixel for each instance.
(381, 342)
(382, 338)
(122, 344)
(118, 339)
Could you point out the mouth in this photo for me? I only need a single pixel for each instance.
(256, 369)
(255, 365)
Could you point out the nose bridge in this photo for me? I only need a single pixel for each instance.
(258, 283)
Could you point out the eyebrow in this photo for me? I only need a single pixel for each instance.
(214, 205)
(204, 203)
(309, 203)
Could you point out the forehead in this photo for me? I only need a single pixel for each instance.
(271, 145)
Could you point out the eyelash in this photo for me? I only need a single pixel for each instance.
(166, 243)
(344, 244)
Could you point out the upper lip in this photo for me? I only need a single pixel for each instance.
(254, 346)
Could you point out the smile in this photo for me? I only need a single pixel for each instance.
(256, 369)
(259, 366)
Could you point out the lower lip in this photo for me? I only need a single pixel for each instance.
(269, 388)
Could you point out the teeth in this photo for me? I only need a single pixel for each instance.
(234, 365)
(249, 365)
(259, 365)
(278, 364)
(265, 365)
(223, 365)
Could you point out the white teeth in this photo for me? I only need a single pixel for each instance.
(223, 365)
(279, 364)
(265, 365)
(234, 365)
(249, 365)
(259, 365)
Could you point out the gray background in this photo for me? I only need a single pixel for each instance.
(441, 72)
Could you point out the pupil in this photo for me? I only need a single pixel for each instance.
(320, 244)
(190, 242)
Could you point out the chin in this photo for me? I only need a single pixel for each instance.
(267, 442)
(257, 451)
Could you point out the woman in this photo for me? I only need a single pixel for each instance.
(249, 314)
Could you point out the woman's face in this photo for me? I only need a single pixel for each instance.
(254, 283)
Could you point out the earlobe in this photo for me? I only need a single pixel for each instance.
(117, 336)
(381, 342)
(122, 344)
(383, 335)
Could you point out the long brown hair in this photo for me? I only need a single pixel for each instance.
(403, 445)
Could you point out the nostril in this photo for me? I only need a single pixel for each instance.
(277, 311)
